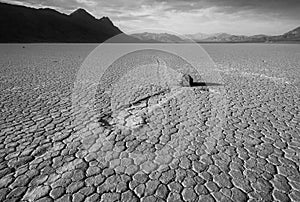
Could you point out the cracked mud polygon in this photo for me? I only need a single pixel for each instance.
(140, 134)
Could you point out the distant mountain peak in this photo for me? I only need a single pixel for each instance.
(80, 12)
(293, 33)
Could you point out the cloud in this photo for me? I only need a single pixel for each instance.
(283, 8)
(237, 16)
(61, 5)
(288, 8)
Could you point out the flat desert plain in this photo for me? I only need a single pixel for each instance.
(144, 135)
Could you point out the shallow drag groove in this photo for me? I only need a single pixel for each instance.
(145, 59)
(149, 124)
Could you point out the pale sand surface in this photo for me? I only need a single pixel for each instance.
(145, 137)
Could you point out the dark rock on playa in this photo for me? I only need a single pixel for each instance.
(186, 80)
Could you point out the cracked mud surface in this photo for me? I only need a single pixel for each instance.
(159, 141)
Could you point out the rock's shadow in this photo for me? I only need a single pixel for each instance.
(195, 84)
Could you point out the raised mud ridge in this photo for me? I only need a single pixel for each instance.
(152, 142)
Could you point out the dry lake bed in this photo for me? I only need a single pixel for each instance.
(143, 133)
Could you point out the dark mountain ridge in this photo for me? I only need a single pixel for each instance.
(24, 24)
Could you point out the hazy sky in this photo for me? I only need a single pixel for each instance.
(188, 16)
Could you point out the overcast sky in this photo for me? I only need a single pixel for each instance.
(188, 16)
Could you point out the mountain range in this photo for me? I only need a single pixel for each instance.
(24, 24)
(20, 24)
(291, 36)
(158, 37)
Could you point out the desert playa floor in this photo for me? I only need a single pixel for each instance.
(139, 135)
